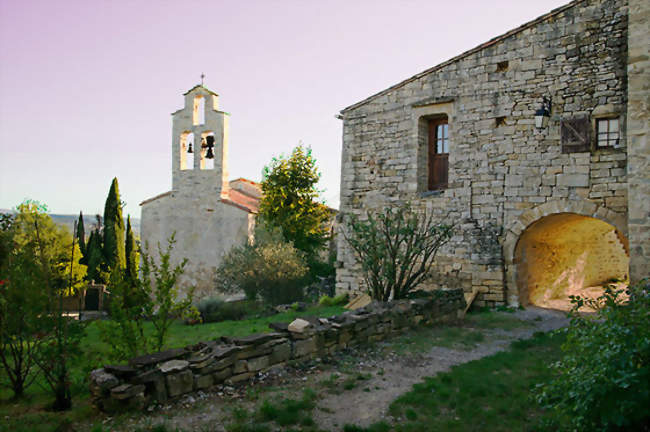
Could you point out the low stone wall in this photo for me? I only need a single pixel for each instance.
(168, 374)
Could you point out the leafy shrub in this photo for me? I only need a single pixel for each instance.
(396, 248)
(270, 269)
(216, 310)
(338, 300)
(603, 380)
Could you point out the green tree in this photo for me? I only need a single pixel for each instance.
(114, 254)
(131, 253)
(124, 332)
(42, 267)
(95, 258)
(21, 283)
(81, 238)
(396, 249)
(270, 269)
(290, 201)
(159, 283)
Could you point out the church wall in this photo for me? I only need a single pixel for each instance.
(500, 165)
(205, 230)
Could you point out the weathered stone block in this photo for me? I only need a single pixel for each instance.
(304, 347)
(221, 375)
(299, 325)
(125, 391)
(179, 383)
(174, 366)
(203, 381)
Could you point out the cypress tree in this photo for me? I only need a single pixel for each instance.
(114, 230)
(81, 239)
(131, 253)
(95, 258)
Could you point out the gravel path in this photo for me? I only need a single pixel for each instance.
(400, 373)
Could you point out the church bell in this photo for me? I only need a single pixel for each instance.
(189, 148)
(210, 145)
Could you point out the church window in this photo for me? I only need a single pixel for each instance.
(187, 151)
(608, 132)
(438, 153)
(207, 150)
(198, 114)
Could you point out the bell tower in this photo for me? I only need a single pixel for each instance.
(200, 145)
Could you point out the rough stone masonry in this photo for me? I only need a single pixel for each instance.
(590, 60)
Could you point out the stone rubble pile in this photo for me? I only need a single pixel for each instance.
(159, 377)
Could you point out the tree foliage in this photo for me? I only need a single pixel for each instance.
(125, 331)
(396, 248)
(603, 380)
(290, 200)
(41, 267)
(81, 237)
(131, 253)
(114, 254)
(270, 269)
(21, 283)
(159, 283)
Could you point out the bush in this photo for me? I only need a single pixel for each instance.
(216, 310)
(270, 269)
(338, 300)
(603, 380)
(396, 248)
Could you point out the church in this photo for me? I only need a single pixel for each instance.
(206, 212)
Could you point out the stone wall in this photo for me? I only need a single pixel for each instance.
(165, 375)
(638, 133)
(502, 169)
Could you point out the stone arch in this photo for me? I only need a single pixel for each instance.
(516, 228)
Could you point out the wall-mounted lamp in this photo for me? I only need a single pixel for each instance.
(543, 114)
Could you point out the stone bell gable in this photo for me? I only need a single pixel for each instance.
(207, 213)
(531, 124)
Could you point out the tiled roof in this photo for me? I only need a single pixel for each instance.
(147, 201)
(242, 200)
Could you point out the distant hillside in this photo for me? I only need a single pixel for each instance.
(89, 221)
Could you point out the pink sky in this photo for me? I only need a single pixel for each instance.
(87, 87)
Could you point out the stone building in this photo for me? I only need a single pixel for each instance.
(543, 209)
(207, 213)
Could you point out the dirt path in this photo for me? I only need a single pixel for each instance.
(400, 373)
(362, 405)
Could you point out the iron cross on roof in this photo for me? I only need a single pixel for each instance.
(202, 76)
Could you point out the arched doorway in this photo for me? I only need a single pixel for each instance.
(567, 254)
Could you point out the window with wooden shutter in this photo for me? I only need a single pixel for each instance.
(438, 153)
(574, 134)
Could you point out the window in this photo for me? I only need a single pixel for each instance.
(438, 153)
(608, 132)
(198, 112)
(187, 151)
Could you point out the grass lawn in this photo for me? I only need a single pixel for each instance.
(490, 394)
(30, 414)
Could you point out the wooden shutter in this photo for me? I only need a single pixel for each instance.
(574, 134)
(438, 159)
